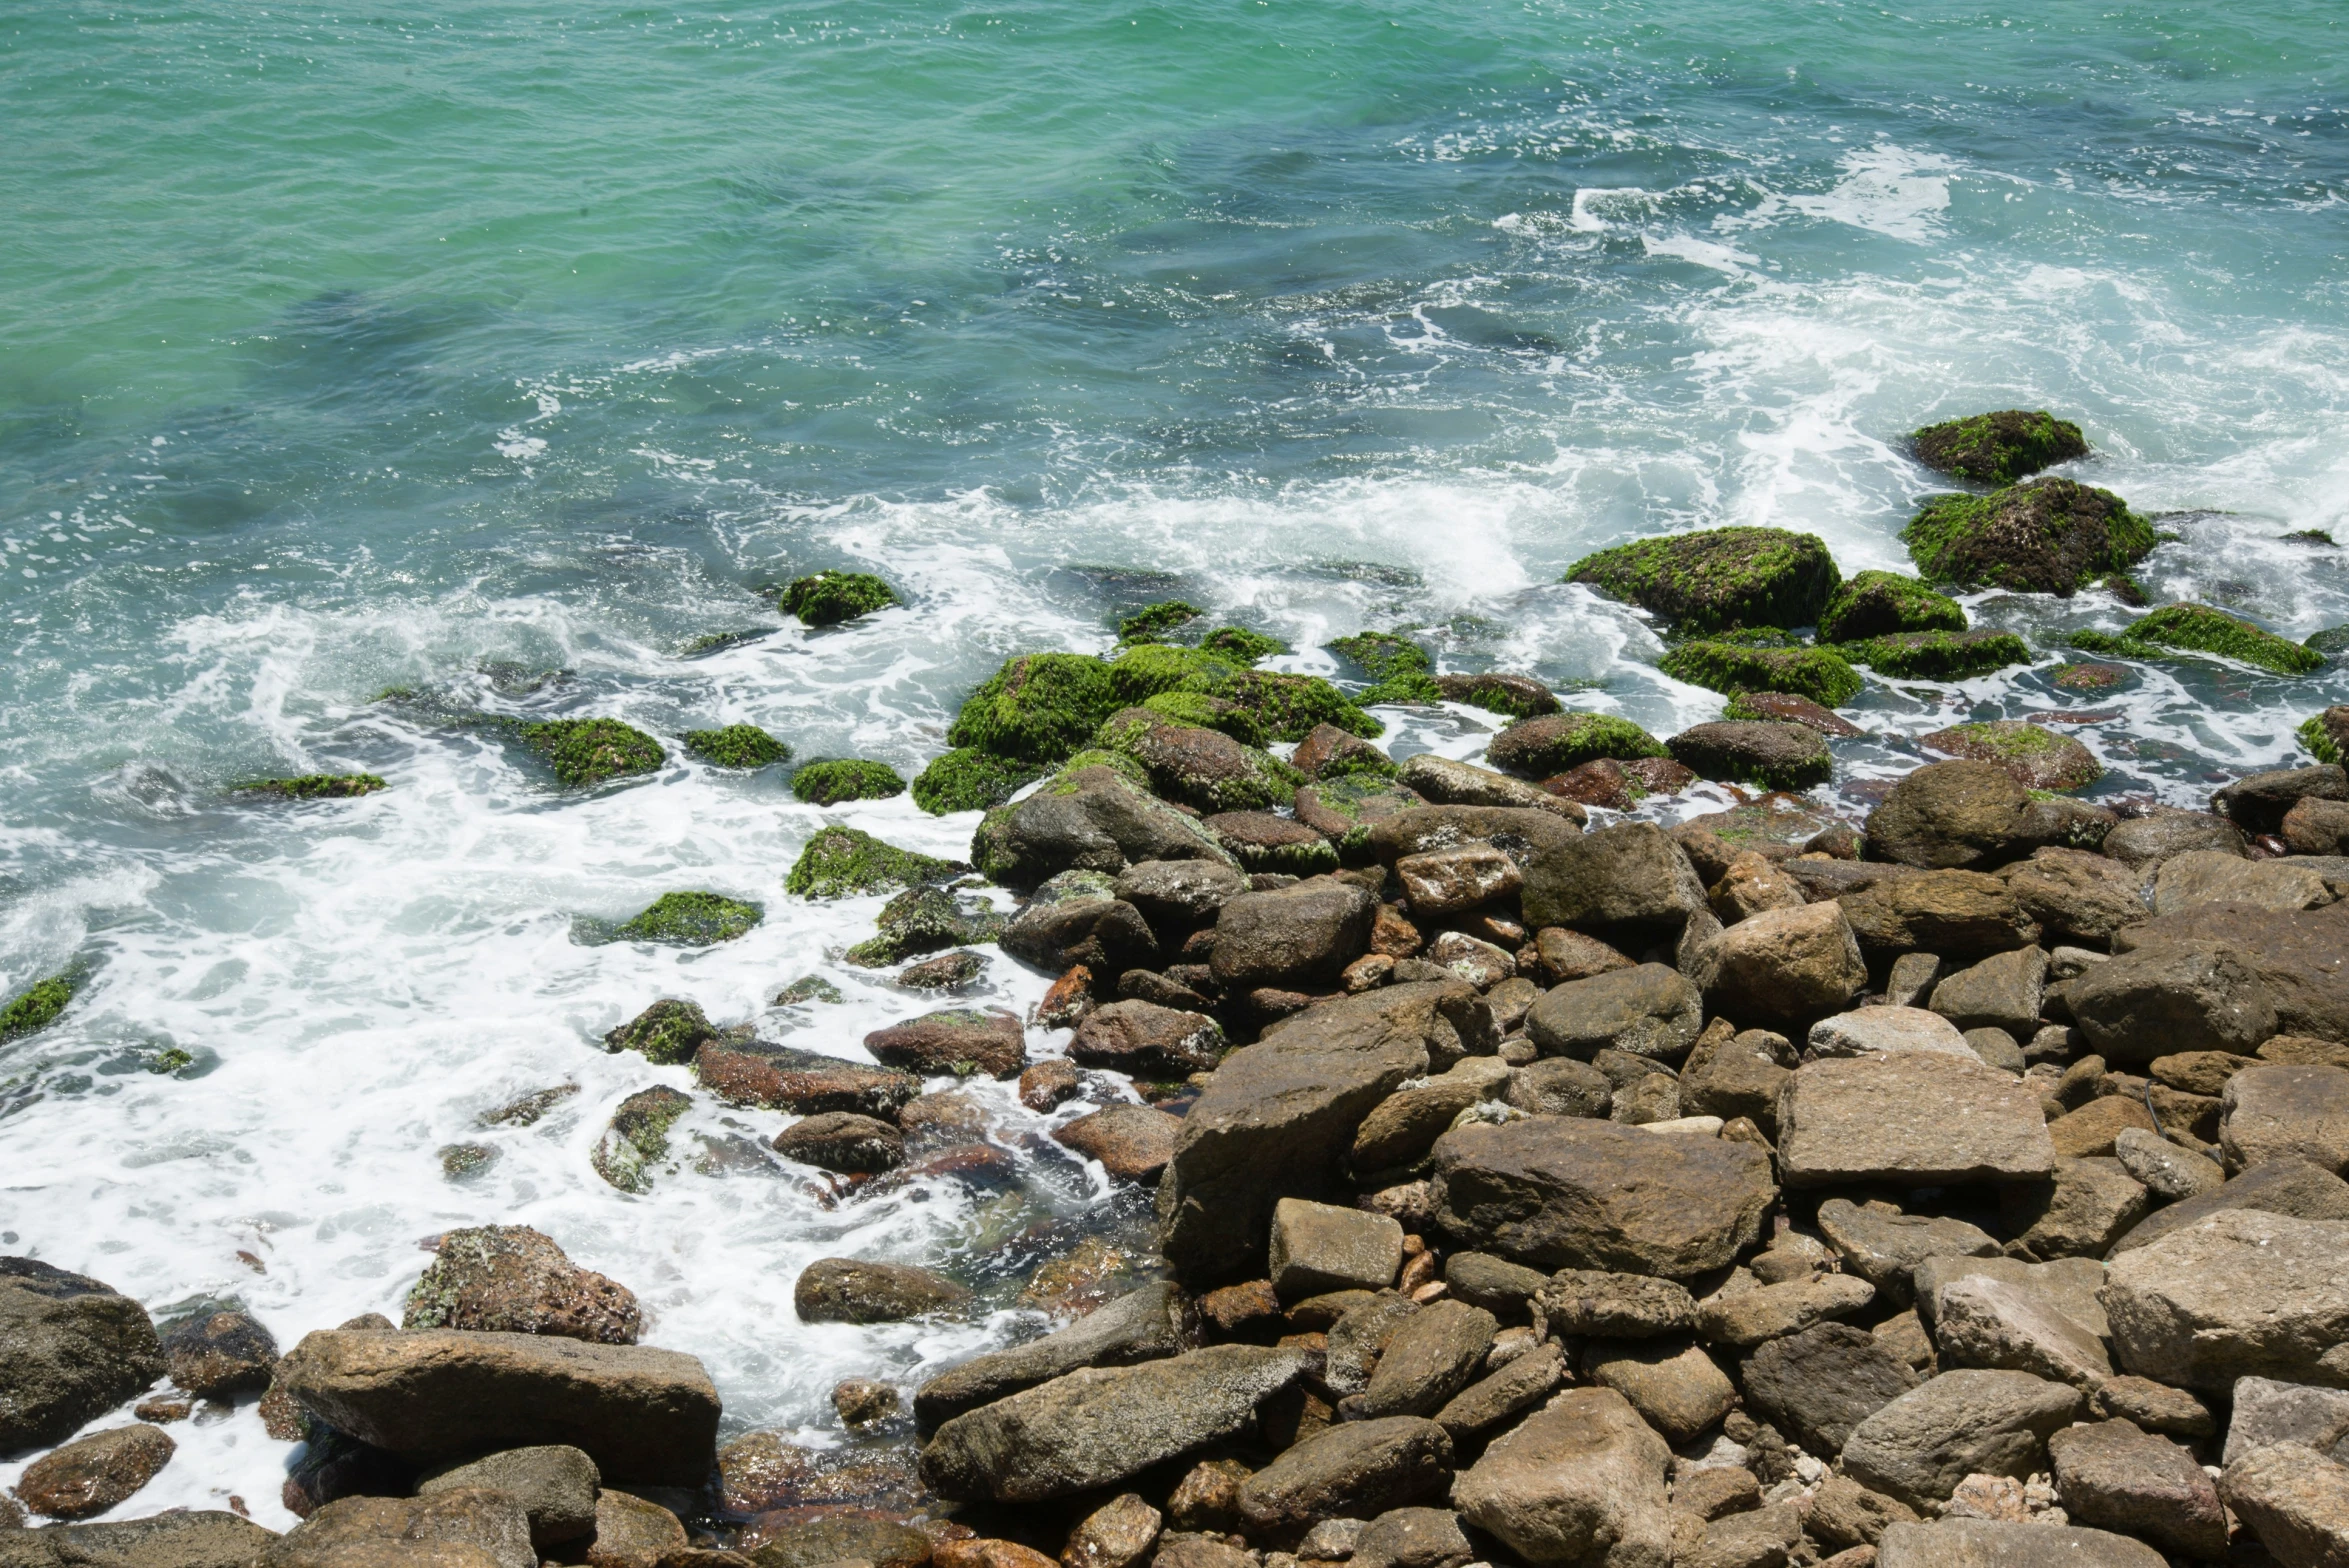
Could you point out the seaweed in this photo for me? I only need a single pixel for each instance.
(313, 786)
(832, 780)
(968, 779)
(691, 920)
(828, 598)
(1817, 673)
(737, 746)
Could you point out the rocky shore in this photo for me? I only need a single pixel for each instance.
(1540, 1176)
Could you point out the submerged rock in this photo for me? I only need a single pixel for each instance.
(92, 1474)
(637, 1139)
(830, 781)
(691, 920)
(75, 1348)
(1938, 656)
(1538, 747)
(828, 598)
(2197, 628)
(512, 1279)
(849, 1290)
(2000, 448)
(837, 862)
(1821, 674)
(1773, 755)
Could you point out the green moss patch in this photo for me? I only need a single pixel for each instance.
(1238, 642)
(806, 989)
(1203, 768)
(2326, 735)
(313, 786)
(968, 779)
(1938, 656)
(737, 746)
(1881, 604)
(2000, 448)
(1210, 713)
(1038, 708)
(1823, 676)
(1291, 705)
(1409, 689)
(1384, 654)
(692, 920)
(1538, 748)
(837, 779)
(37, 1008)
(2197, 628)
(1518, 696)
(925, 920)
(2088, 677)
(1153, 622)
(2048, 536)
(2038, 758)
(665, 1034)
(837, 862)
(828, 598)
(1145, 670)
(591, 751)
(1719, 579)
(638, 1138)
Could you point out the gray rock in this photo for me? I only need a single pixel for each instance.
(1579, 1482)
(1558, 1193)
(1177, 897)
(556, 1486)
(2003, 991)
(2081, 1212)
(1626, 883)
(202, 1538)
(2003, 1543)
(1885, 1030)
(641, 1414)
(1092, 819)
(1100, 1426)
(1149, 1324)
(2169, 1172)
(2277, 1112)
(1360, 1336)
(1594, 1304)
(1319, 1247)
(2169, 997)
(1883, 1246)
(2073, 1285)
(2295, 1500)
(1517, 1387)
(1921, 1117)
(1432, 1356)
(2150, 840)
(1816, 1386)
(1413, 1538)
(2240, 1294)
(2297, 955)
(1743, 1319)
(2287, 1186)
(1918, 1447)
(464, 1528)
(1984, 1322)
(1354, 1470)
(1651, 1011)
(1675, 1386)
(70, 1349)
(2268, 1412)
(1304, 935)
(852, 1290)
(1959, 914)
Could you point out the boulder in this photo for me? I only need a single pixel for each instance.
(2260, 802)
(1559, 1193)
(1675, 1386)
(1650, 1010)
(1148, 1324)
(1330, 752)
(842, 1141)
(1279, 1117)
(218, 1355)
(1743, 1319)
(1405, 1124)
(1118, 1534)
(2207, 877)
(2116, 1475)
(2169, 1172)
(2294, 1500)
(1999, 1324)
(2300, 956)
(1884, 1246)
(1413, 1538)
(2167, 997)
(1967, 816)
(1771, 754)
(1201, 767)
(1783, 966)
(1625, 883)
(1442, 882)
(1076, 917)
(1132, 1142)
(1845, 1514)
(1099, 1426)
(2277, 1112)
(839, 1537)
(850, 1290)
(2036, 757)
(1537, 747)
(1750, 884)
(1561, 1086)
(1579, 1482)
(70, 1349)
(2287, 1186)
(2149, 840)
(2266, 1412)
(2076, 895)
(1816, 1386)
(1147, 1040)
(1957, 914)
(555, 1485)
(2090, 1204)
(181, 1538)
(1263, 842)
(1301, 935)
(1449, 783)
(1177, 897)
(1320, 1247)
(1923, 1118)
(512, 1279)
(1365, 1322)
(2004, 1543)
(2317, 827)
(1718, 579)
(1918, 1447)
(805, 1083)
(641, 1414)
(1497, 692)
(1989, 449)
(2240, 1294)
(464, 1528)
(1597, 1304)
(1886, 1031)
(92, 1474)
(1522, 1383)
(1432, 1357)
(958, 1040)
(1355, 1470)
(1762, 1538)
(2157, 1407)
(2091, 1129)
(1092, 818)
(2003, 991)
(1733, 1074)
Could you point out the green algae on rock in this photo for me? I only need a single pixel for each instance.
(1517, 696)
(1200, 767)
(925, 920)
(2326, 735)
(2197, 628)
(2088, 677)
(1406, 689)
(638, 1138)
(1881, 604)
(1039, 707)
(313, 786)
(691, 920)
(831, 780)
(1291, 705)
(1820, 674)
(1537, 748)
(1210, 713)
(1238, 642)
(737, 746)
(1344, 810)
(37, 1008)
(1938, 656)
(1146, 669)
(806, 989)
(2037, 758)
(1384, 654)
(2049, 536)
(1718, 580)
(828, 598)
(1153, 621)
(590, 751)
(2000, 448)
(968, 779)
(665, 1034)
(838, 862)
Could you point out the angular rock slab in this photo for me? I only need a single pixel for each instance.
(1921, 1445)
(2277, 1112)
(1556, 1192)
(1144, 1325)
(2295, 1501)
(1355, 1470)
(1920, 1117)
(1579, 1482)
(196, 1538)
(2268, 1412)
(2117, 1476)
(2001, 1543)
(641, 1414)
(2240, 1294)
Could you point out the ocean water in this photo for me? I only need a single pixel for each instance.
(504, 351)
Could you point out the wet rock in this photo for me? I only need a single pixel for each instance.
(1263, 842)
(1628, 883)
(2036, 758)
(1883, 1246)
(948, 1117)
(1719, 579)
(2279, 1112)
(2203, 877)
(1301, 935)
(1148, 1041)
(1118, 1534)
(847, 1290)
(844, 1537)
(1819, 1384)
(1432, 1357)
(1354, 1470)
(1783, 966)
(556, 1486)
(2317, 827)
(1132, 1142)
(91, 1474)
(1580, 1481)
(1676, 1388)
(1179, 896)
(512, 1279)
(2002, 1543)
(1558, 1193)
(1780, 707)
(1998, 1324)
(805, 1083)
(1200, 767)
(468, 1528)
(1092, 818)
(1148, 1324)
(636, 1141)
(843, 1141)
(2294, 1500)
(1650, 1010)
(2117, 1476)
(1046, 1084)
(1925, 1118)
(1773, 755)
(218, 1355)
(2074, 894)
(1450, 881)
(1329, 752)
(665, 1034)
(860, 1401)
(2047, 536)
(70, 1348)
(181, 1538)
(1538, 747)
(1918, 1447)
(1097, 1427)
(1076, 918)
(1963, 816)
(947, 972)
(2259, 803)
(1444, 782)
(2240, 1294)
(1996, 449)
(958, 1041)
(925, 920)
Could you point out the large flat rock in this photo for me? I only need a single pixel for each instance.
(1920, 1117)
(2241, 1294)
(1144, 1325)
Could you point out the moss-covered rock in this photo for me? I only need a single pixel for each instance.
(837, 862)
(665, 1034)
(37, 1008)
(1097, 814)
(590, 751)
(692, 920)
(2197, 628)
(1210, 713)
(2037, 758)
(1408, 689)
(1290, 705)
(1882, 604)
(1037, 708)
(835, 779)
(1817, 673)
(925, 920)
(1518, 696)
(2000, 448)
(1720, 579)
(1260, 841)
(2049, 536)
(1384, 654)
(632, 1148)
(1240, 644)
(2088, 677)
(737, 746)
(312, 786)
(1539, 748)
(1937, 656)
(1779, 707)
(1203, 768)
(968, 779)
(1344, 810)
(2326, 735)
(2332, 642)
(1153, 622)
(806, 989)
(1147, 669)
(828, 598)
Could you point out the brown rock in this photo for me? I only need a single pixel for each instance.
(632, 1533)
(842, 1141)
(1783, 708)
(217, 1355)
(848, 1290)
(958, 1041)
(1132, 1142)
(1674, 1385)
(1118, 1534)
(1569, 955)
(985, 1553)
(1784, 965)
(1300, 935)
(1449, 881)
(1629, 880)
(1579, 1482)
(469, 1527)
(1752, 884)
(512, 1279)
(2092, 1128)
(2034, 757)
(1958, 914)
(1148, 1041)
(2117, 1476)
(1356, 1470)
(1326, 744)
(1045, 1084)
(2076, 895)
(801, 1082)
(91, 1474)
(1923, 1118)
(2276, 1112)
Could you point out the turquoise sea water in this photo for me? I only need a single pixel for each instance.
(350, 346)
